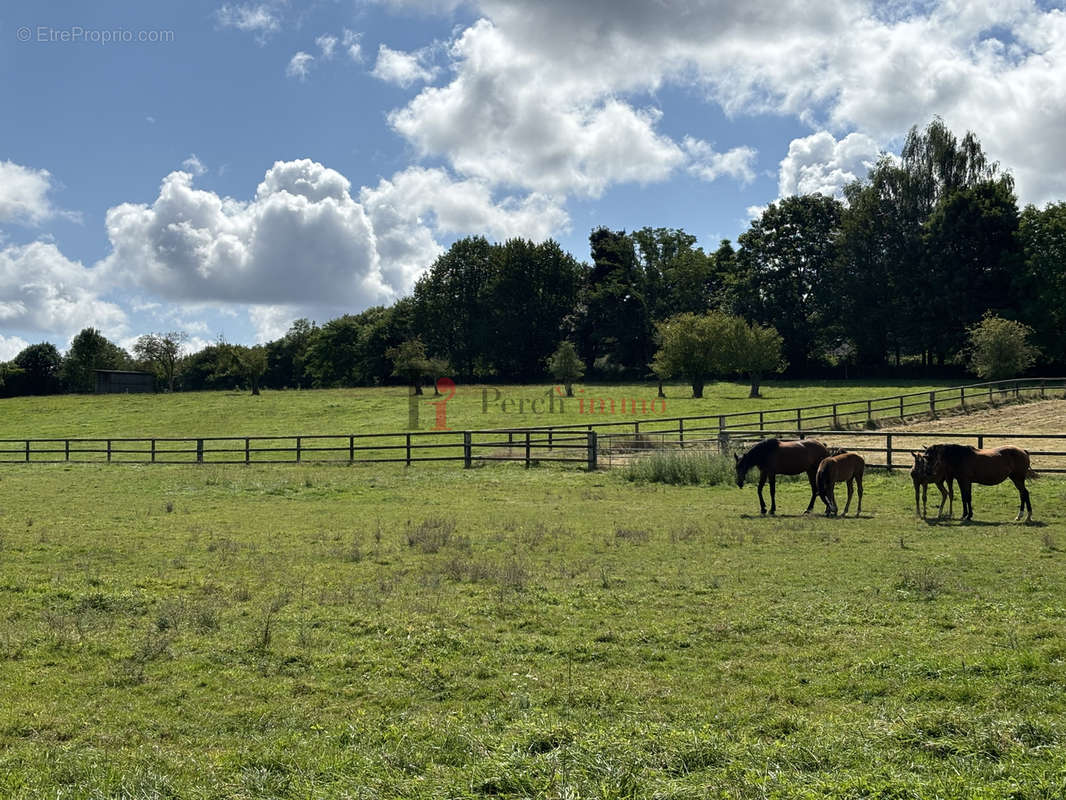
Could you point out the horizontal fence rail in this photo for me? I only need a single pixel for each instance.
(880, 449)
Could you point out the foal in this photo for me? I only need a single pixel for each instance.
(842, 467)
(923, 473)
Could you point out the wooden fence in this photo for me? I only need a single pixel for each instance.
(577, 443)
(470, 447)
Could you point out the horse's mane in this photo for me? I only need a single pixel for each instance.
(757, 454)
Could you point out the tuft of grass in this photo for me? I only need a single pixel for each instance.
(681, 468)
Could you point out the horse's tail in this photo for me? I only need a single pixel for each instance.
(1031, 473)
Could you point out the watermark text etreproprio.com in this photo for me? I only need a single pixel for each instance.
(77, 34)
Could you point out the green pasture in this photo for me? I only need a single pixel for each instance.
(387, 409)
(356, 632)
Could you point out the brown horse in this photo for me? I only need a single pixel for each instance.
(840, 467)
(922, 474)
(774, 457)
(968, 466)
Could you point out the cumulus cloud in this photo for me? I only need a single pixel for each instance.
(402, 69)
(24, 194)
(11, 346)
(301, 239)
(43, 291)
(820, 164)
(709, 165)
(300, 65)
(408, 209)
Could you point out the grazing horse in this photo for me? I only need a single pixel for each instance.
(968, 466)
(840, 467)
(772, 456)
(922, 474)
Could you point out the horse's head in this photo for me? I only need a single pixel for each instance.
(741, 473)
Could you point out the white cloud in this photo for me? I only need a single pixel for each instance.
(403, 69)
(11, 346)
(194, 165)
(302, 239)
(709, 165)
(352, 43)
(24, 194)
(300, 65)
(327, 43)
(407, 209)
(820, 164)
(44, 291)
(259, 19)
(528, 70)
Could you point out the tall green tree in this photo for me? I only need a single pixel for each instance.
(162, 351)
(450, 312)
(37, 370)
(286, 357)
(530, 291)
(785, 272)
(971, 255)
(615, 332)
(1040, 288)
(696, 346)
(90, 350)
(678, 275)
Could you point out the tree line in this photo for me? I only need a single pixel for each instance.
(894, 278)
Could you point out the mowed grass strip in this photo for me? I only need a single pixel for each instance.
(326, 632)
(388, 409)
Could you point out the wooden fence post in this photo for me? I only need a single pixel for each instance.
(27, 451)
(199, 451)
(299, 449)
(835, 423)
(247, 450)
(592, 451)
(153, 450)
(467, 454)
(527, 449)
(888, 451)
(407, 445)
(901, 408)
(799, 419)
(869, 412)
(980, 442)
(932, 404)
(108, 451)
(66, 450)
(681, 433)
(351, 447)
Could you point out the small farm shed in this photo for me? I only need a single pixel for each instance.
(123, 381)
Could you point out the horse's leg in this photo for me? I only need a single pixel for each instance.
(951, 497)
(847, 503)
(762, 482)
(943, 499)
(812, 475)
(917, 507)
(773, 493)
(925, 499)
(1023, 498)
(858, 481)
(830, 498)
(966, 491)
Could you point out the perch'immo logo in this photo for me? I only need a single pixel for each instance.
(446, 391)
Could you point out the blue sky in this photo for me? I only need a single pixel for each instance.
(236, 165)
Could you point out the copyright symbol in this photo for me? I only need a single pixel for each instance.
(23, 34)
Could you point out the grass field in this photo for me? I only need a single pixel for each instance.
(335, 632)
(344, 411)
